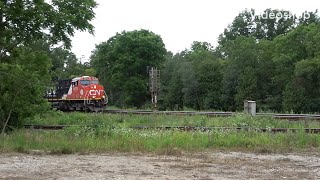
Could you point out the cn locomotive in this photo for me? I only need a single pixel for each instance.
(78, 94)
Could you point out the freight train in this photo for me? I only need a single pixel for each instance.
(78, 94)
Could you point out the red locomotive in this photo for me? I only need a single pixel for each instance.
(80, 93)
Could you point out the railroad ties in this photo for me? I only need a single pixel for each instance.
(228, 129)
(146, 112)
(192, 128)
(44, 127)
(291, 117)
(297, 116)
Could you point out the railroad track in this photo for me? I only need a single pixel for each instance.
(190, 128)
(296, 116)
(204, 129)
(146, 112)
(45, 127)
(292, 117)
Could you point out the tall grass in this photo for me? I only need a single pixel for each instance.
(128, 140)
(110, 133)
(241, 120)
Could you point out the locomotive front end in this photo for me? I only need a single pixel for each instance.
(94, 94)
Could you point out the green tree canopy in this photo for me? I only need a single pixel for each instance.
(121, 64)
(25, 21)
(192, 78)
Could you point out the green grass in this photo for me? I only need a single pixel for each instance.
(121, 120)
(112, 133)
(128, 140)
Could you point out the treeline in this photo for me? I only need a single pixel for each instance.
(274, 61)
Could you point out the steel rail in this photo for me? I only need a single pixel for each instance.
(216, 114)
(189, 128)
(45, 127)
(204, 129)
(146, 112)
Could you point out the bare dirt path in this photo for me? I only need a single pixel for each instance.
(211, 165)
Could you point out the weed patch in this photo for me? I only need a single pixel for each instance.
(92, 132)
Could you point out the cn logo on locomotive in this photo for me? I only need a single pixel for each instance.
(95, 92)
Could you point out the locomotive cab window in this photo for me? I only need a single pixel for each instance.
(75, 83)
(85, 82)
(94, 82)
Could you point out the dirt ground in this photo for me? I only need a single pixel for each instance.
(210, 165)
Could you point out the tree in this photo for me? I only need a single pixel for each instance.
(28, 31)
(90, 72)
(191, 91)
(25, 21)
(64, 64)
(171, 95)
(22, 86)
(258, 26)
(301, 44)
(174, 97)
(210, 75)
(201, 77)
(122, 62)
(265, 72)
(192, 79)
(240, 75)
(273, 23)
(302, 94)
(295, 99)
(262, 55)
(312, 18)
(247, 88)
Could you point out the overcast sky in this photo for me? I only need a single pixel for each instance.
(178, 22)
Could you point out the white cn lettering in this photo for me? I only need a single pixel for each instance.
(94, 92)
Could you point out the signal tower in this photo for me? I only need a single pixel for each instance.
(154, 85)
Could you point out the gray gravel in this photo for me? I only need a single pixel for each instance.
(210, 165)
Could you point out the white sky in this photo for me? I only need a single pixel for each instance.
(178, 22)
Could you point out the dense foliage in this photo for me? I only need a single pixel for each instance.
(121, 64)
(273, 61)
(28, 31)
